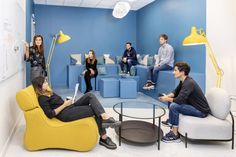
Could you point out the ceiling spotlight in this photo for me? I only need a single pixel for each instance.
(121, 9)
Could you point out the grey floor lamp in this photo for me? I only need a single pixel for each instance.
(59, 38)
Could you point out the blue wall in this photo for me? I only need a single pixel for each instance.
(175, 18)
(29, 12)
(97, 29)
(88, 28)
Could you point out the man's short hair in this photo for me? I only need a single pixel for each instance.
(164, 36)
(129, 43)
(183, 66)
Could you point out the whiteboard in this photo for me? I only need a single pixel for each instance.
(12, 28)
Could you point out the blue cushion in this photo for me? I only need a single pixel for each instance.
(128, 88)
(109, 87)
(82, 84)
(73, 73)
(102, 70)
(111, 69)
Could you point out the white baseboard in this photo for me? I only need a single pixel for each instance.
(13, 130)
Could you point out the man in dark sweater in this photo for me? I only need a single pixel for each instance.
(187, 99)
(129, 58)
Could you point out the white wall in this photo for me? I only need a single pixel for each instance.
(9, 110)
(221, 33)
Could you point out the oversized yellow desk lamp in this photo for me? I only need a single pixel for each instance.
(198, 37)
(60, 38)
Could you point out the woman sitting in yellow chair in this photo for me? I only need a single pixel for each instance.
(66, 110)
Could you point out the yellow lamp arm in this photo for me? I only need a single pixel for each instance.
(218, 70)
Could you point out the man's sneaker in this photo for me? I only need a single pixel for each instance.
(169, 134)
(108, 143)
(122, 73)
(150, 81)
(171, 137)
(151, 87)
(147, 85)
(166, 123)
(153, 83)
(110, 122)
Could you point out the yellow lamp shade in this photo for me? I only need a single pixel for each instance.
(195, 38)
(63, 38)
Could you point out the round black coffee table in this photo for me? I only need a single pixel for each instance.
(133, 128)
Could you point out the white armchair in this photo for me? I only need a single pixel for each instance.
(217, 126)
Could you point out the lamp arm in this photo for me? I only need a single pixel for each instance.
(219, 71)
(52, 46)
(51, 50)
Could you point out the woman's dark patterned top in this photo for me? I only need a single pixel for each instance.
(35, 58)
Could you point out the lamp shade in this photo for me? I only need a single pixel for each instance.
(194, 38)
(197, 37)
(62, 37)
(121, 9)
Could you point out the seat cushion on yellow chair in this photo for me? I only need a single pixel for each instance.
(44, 133)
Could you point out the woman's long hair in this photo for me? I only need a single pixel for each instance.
(94, 57)
(39, 49)
(38, 87)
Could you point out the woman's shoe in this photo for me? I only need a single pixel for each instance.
(86, 91)
(108, 143)
(110, 122)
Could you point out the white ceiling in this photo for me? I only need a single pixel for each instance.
(109, 4)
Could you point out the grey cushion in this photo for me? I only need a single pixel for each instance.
(219, 102)
(75, 59)
(205, 128)
(118, 59)
(100, 60)
(132, 71)
(150, 60)
(102, 70)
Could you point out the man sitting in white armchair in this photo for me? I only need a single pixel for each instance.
(187, 99)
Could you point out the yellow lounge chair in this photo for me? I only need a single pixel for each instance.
(42, 132)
